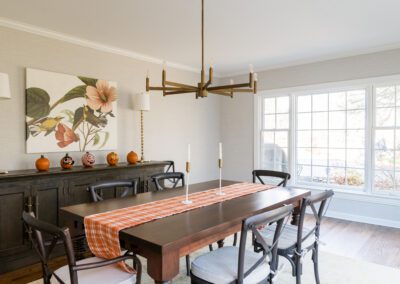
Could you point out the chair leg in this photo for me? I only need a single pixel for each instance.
(210, 247)
(188, 265)
(315, 260)
(299, 267)
(235, 236)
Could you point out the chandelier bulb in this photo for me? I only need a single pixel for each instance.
(255, 77)
(164, 64)
(231, 82)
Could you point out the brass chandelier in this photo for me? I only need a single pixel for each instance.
(203, 88)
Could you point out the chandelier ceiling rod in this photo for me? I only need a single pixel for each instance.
(203, 88)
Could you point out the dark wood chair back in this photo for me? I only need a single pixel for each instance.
(258, 174)
(120, 188)
(37, 228)
(318, 205)
(253, 224)
(176, 179)
(170, 167)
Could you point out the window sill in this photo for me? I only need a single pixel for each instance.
(361, 196)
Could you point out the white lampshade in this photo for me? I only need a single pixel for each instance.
(141, 102)
(5, 92)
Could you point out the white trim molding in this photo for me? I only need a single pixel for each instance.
(363, 219)
(12, 24)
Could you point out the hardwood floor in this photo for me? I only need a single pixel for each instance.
(377, 244)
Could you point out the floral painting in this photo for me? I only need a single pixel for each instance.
(67, 113)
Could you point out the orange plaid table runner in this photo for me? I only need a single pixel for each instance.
(102, 230)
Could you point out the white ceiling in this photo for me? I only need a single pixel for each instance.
(267, 33)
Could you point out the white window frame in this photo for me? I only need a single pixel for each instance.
(369, 84)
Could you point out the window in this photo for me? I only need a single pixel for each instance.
(275, 133)
(344, 136)
(330, 138)
(387, 139)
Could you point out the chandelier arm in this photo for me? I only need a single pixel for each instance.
(228, 87)
(169, 89)
(169, 83)
(179, 92)
(242, 90)
(228, 94)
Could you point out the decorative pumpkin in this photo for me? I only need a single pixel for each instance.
(67, 162)
(42, 164)
(88, 160)
(112, 159)
(132, 158)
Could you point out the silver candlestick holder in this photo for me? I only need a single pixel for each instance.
(220, 192)
(187, 201)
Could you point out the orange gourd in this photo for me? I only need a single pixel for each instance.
(112, 159)
(132, 158)
(42, 164)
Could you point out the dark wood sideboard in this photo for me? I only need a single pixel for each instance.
(44, 193)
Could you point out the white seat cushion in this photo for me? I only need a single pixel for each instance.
(221, 266)
(110, 274)
(288, 237)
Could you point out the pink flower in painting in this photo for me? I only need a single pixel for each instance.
(65, 135)
(101, 97)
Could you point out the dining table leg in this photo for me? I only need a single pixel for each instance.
(296, 213)
(220, 243)
(163, 266)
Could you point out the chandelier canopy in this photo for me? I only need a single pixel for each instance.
(204, 87)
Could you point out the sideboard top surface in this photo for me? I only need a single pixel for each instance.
(78, 169)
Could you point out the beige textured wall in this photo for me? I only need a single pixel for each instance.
(169, 126)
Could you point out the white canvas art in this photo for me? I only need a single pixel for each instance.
(67, 113)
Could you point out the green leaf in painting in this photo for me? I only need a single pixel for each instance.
(88, 81)
(106, 136)
(69, 114)
(78, 117)
(77, 92)
(96, 139)
(37, 103)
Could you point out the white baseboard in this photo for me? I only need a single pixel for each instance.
(363, 219)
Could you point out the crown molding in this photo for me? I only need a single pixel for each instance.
(8, 23)
(341, 55)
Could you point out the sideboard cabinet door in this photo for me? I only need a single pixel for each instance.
(13, 200)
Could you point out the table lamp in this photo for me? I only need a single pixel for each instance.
(141, 102)
(5, 93)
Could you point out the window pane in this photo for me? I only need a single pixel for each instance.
(304, 156)
(385, 117)
(320, 138)
(303, 138)
(281, 139)
(384, 139)
(397, 180)
(355, 158)
(268, 137)
(304, 103)
(304, 173)
(355, 139)
(304, 121)
(320, 156)
(337, 138)
(320, 120)
(384, 160)
(337, 176)
(397, 142)
(282, 121)
(320, 102)
(355, 177)
(397, 160)
(320, 174)
(356, 99)
(269, 105)
(385, 96)
(384, 180)
(282, 104)
(337, 157)
(337, 120)
(337, 101)
(356, 119)
(269, 121)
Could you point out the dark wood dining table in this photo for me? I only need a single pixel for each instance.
(162, 242)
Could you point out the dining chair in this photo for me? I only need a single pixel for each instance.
(174, 179)
(281, 176)
(118, 189)
(89, 270)
(297, 241)
(231, 264)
